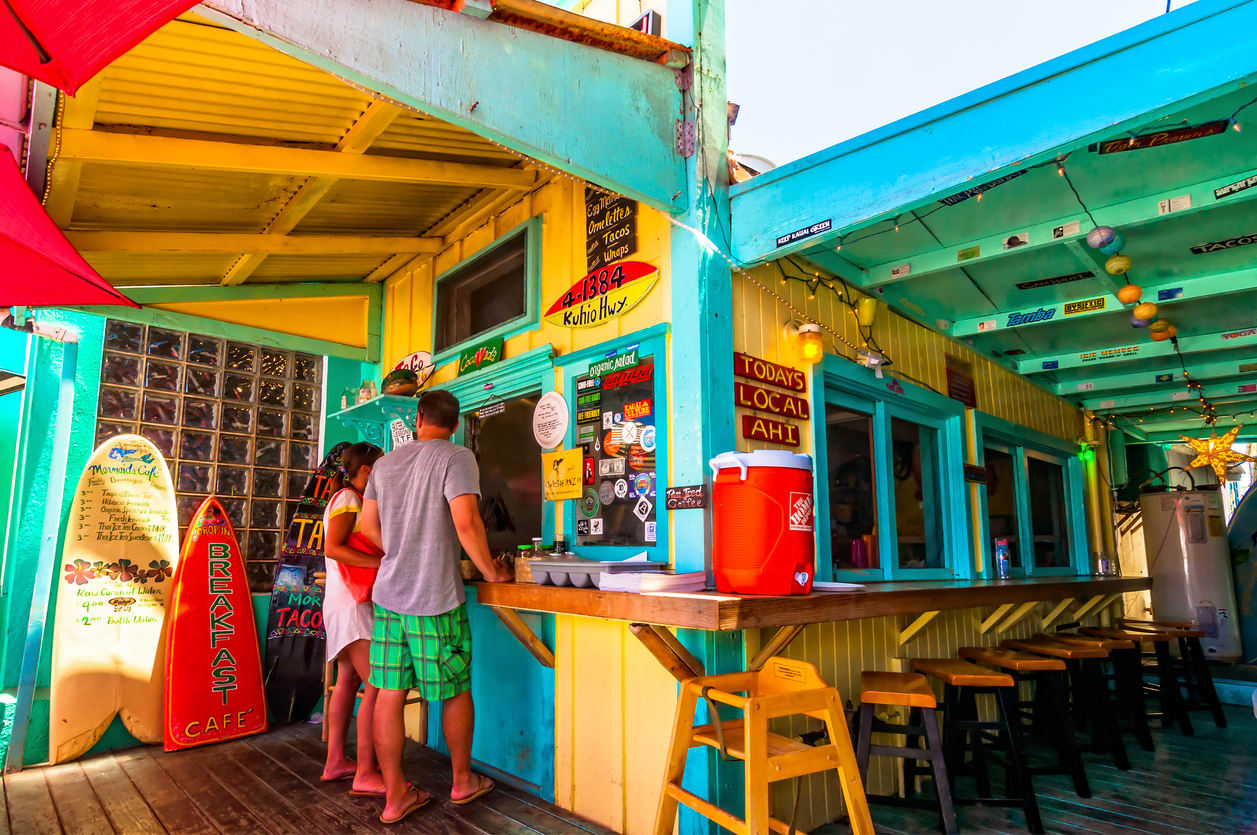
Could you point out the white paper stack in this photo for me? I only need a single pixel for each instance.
(654, 582)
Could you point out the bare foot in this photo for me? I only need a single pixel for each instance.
(342, 770)
(412, 801)
(369, 783)
(477, 786)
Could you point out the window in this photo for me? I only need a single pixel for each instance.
(1047, 513)
(486, 292)
(918, 515)
(234, 419)
(500, 433)
(1001, 502)
(852, 502)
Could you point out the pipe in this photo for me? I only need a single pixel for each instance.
(1091, 491)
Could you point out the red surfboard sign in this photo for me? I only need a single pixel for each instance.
(603, 295)
(213, 666)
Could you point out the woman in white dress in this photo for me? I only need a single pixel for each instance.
(348, 624)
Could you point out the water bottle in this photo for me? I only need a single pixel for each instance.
(1003, 566)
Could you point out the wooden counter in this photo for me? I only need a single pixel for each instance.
(722, 612)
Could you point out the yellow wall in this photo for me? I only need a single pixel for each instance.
(341, 319)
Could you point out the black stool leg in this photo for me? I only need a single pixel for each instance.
(1106, 723)
(1007, 699)
(969, 711)
(1071, 759)
(1204, 681)
(1171, 696)
(1128, 678)
(952, 736)
(863, 739)
(942, 782)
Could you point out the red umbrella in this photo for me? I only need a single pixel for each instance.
(66, 42)
(38, 266)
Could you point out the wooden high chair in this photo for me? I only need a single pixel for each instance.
(420, 735)
(784, 687)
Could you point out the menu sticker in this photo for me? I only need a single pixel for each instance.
(550, 420)
(610, 228)
(561, 475)
(401, 433)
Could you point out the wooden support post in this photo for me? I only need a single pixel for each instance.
(1017, 616)
(910, 631)
(1103, 608)
(665, 651)
(994, 618)
(1052, 616)
(1089, 607)
(775, 644)
(512, 621)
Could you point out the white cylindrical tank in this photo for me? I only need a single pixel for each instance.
(1190, 566)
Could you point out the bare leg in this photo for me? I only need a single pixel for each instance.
(339, 709)
(390, 730)
(367, 778)
(458, 720)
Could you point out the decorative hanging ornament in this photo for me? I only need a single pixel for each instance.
(1161, 325)
(1216, 452)
(1117, 265)
(1145, 310)
(1131, 293)
(1136, 322)
(1115, 246)
(1161, 336)
(1101, 236)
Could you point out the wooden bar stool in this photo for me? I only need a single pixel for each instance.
(1197, 677)
(1125, 676)
(1091, 698)
(962, 683)
(1168, 687)
(784, 687)
(912, 691)
(1047, 712)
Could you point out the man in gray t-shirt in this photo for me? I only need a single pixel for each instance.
(421, 507)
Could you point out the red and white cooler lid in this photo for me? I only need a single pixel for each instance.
(761, 458)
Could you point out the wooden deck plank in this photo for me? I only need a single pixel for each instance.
(172, 807)
(128, 812)
(76, 803)
(30, 804)
(253, 793)
(217, 804)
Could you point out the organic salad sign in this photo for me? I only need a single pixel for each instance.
(603, 295)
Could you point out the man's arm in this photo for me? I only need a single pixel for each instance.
(371, 522)
(470, 527)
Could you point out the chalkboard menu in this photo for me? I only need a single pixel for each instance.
(610, 228)
(615, 425)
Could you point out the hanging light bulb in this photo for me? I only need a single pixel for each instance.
(1235, 126)
(1060, 169)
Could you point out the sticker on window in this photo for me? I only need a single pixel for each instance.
(650, 532)
(643, 508)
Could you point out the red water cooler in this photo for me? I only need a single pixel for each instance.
(762, 522)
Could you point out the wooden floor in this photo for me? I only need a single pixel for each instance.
(1206, 783)
(262, 784)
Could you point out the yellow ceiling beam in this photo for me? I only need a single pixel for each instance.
(63, 184)
(208, 155)
(361, 134)
(212, 242)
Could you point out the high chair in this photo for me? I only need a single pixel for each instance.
(784, 687)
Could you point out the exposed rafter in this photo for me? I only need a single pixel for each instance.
(1167, 396)
(1140, 347)
(211, 242)
(1244, 363)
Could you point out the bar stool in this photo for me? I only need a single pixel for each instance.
(962, 683)
(784, 687)
(1125, 676)
(1048, 711)
(1197, 677)
(1168, 686)
(1091, 697)
(912, 691)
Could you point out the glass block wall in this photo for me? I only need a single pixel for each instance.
(234, 419)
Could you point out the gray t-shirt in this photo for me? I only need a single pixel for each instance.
(413, 486)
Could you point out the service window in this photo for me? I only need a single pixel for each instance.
(486, 292)
(1001, 502)
(918, 513)
(1048, 512)
(500, 434)
(615, 422)
(852, 502)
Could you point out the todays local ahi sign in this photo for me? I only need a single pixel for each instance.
(603, 295)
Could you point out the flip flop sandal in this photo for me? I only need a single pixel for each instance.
(485, 787)
(348, 776)
(356, 793)
(409, 810)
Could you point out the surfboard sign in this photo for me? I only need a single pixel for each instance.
(603, 295)
(296, 640)
(213, 666)
(108, 647)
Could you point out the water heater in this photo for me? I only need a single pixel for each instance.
(1189, 562)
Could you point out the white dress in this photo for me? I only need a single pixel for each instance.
(345, 619)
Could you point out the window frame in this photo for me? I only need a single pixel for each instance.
(844, 384)
(648, 341)
(1023, 443)
(531, 232)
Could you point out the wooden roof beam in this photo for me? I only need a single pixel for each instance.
(264, 244)
(160, 151)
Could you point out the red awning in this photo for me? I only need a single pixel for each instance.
(66, 42)
(38, 266)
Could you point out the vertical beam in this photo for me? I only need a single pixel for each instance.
(63, 184)
(1091, 490)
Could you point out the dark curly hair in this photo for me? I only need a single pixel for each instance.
(357, 456)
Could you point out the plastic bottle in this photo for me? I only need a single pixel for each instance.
(1003, 565)
(538, 550)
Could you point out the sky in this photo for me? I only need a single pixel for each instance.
(811, 73)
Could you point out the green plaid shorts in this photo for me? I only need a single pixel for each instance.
(428, 653)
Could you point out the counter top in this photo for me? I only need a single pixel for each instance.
(727, 612)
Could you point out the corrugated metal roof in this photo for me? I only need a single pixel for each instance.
(195, 80)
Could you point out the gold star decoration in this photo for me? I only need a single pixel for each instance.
(1216, 452)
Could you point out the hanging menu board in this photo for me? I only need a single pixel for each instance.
(615, 427)
(610, 228)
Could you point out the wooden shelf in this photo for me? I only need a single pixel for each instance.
(723, 612)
